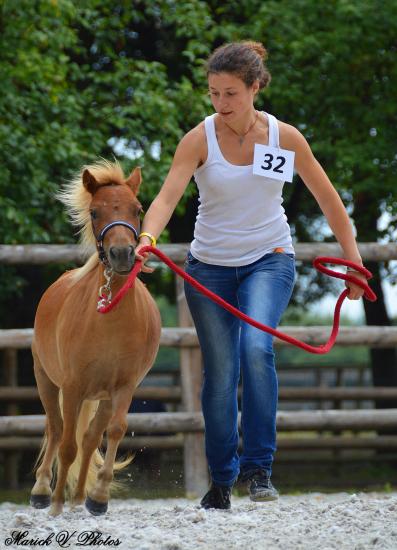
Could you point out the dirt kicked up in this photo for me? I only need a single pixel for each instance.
(309, 522)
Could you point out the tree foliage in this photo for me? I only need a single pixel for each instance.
(103, 78)
(76, 85)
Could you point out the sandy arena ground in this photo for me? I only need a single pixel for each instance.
(313, 521)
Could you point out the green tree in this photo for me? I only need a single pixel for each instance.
(76, 86)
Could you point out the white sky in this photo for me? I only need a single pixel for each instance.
(354, 309)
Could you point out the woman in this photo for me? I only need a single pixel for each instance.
(242, 250)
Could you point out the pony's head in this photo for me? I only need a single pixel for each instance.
(104, 203)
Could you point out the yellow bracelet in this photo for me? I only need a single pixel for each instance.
(152, 239)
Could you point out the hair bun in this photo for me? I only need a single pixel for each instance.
(257, 47)
(243, 59)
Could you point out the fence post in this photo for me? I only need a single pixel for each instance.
(195, 463)
(11, 459)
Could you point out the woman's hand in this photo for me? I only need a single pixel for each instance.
(143, 257)
(355, 291)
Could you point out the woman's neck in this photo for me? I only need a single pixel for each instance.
(242, 127)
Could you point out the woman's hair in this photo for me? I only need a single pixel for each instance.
(242, 59)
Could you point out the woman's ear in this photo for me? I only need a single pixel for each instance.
(255, 87)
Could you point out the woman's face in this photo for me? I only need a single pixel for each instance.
(230, 96)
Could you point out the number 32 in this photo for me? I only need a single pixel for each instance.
(269, 163)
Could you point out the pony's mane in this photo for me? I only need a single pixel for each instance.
(77, 201)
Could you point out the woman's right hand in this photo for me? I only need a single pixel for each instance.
(143, 257)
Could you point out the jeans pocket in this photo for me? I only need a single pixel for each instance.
(286, 263)
(285, 255)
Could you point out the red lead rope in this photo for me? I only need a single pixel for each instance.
(318, 264)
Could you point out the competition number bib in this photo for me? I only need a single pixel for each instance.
(273, 162)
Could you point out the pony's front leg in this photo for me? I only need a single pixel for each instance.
(68, 447)
(97, 499)
(41, 493)
(91, 441)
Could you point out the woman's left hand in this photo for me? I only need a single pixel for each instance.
(355, 291)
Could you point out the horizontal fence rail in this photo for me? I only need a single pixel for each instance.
(386, 442)
(185, 337)
(187, 422)
(39, 254)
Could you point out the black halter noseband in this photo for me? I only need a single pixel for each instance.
(101, 236)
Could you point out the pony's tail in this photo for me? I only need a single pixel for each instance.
(87, 413)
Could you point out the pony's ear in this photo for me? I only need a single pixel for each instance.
(134, 180)
(89, 182)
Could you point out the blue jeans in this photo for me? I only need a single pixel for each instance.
(229, 347)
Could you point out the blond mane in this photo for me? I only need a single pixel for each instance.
(77, 201)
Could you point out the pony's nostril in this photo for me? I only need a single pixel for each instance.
(114, 253)
(131, 251)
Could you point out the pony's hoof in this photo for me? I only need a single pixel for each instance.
(40, 501)
(56, 509)
(96, 508)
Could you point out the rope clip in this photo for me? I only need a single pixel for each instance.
(105, 291)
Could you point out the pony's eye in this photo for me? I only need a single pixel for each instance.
(139, 211)
(93, 214)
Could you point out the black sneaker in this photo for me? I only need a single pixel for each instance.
(217, 497)
(259, 486)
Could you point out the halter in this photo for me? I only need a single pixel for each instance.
(101, 236)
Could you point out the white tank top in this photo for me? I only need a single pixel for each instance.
(240, 216)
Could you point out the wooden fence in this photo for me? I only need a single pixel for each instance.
(186, 426)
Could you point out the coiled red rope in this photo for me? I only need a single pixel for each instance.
(317, 263)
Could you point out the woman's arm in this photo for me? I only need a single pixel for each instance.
(188, 155)
(317, 181)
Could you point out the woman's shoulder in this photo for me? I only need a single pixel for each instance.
(290, 136)
(194, 137)
(194, 143)
(198, 131)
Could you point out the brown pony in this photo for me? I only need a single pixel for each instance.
(87, 365)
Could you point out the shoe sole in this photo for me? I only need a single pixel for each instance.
(214, 507)
(259, 498)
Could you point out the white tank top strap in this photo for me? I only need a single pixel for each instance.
(212, 143)
(274, 135)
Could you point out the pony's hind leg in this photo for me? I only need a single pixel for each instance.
(68, 447)
(91, 441)
(41, 493)
(97, 499)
